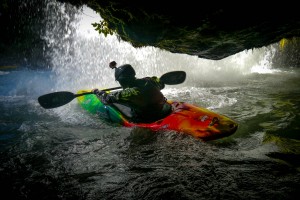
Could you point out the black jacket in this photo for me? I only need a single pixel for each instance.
(144, 98)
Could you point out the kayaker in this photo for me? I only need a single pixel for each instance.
(142, 95)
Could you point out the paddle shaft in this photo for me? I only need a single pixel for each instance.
(85, 93)
(57, 99)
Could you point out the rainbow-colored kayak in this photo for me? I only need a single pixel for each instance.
(185, 118)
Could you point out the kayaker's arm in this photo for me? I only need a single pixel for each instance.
(158, 82)
(126, 94)
(120, 96)
(104, 97)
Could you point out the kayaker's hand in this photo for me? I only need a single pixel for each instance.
(106, 99)
(98, 92)
(103, 96)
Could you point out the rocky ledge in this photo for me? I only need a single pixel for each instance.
(207, 29)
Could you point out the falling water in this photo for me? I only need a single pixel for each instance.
(80, 58)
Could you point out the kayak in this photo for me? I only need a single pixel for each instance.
(185, 118)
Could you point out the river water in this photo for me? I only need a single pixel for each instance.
(66, 153)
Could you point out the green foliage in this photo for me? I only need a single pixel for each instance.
(102, 27)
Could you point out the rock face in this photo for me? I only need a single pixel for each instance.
(209, 29)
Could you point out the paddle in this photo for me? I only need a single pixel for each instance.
(57, 99)
(173, 78)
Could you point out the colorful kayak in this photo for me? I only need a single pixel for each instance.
(185, 118)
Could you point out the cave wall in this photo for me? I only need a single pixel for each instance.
(211, 29)
(208, 30)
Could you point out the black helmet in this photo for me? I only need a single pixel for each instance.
(124, 72)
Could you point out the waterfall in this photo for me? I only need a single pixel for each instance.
(80, 56)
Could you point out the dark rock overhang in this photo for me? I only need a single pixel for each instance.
(209, 29)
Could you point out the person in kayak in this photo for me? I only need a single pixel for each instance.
(142, 95)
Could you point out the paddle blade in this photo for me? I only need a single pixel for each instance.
(173, 78)
(56, 99)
